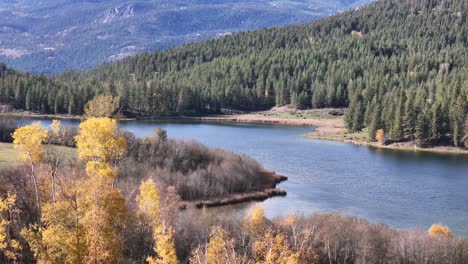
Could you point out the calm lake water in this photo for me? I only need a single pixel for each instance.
(401, 189)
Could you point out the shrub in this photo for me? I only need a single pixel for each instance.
(439, 230)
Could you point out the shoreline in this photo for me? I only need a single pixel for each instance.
(264, 190)
(393, 146)
(252, 196)
(328, 127)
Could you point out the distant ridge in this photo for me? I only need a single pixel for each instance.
(51, 36)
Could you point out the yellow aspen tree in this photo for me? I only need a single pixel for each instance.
(9, 247)
(274, 249)
(149, 201)
(149, 205)
(104, 215)
(380, 136)
(56, 127)
(61, 239)
(103, 207)
(164, 246)
(100, 147)
(29, 140)
(254, 220)
(102, 106)
(216, 251)
(439, 230)
(219, 250)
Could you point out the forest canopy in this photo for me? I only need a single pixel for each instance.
(398, 65)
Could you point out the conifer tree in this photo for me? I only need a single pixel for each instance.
(421, 131)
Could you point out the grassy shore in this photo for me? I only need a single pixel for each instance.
(361, 139)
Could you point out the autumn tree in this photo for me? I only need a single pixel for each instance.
(274, 248)
(149, 205)
(302, 240)
(439, 230)
(29, 140)
(56, 132)
(254, 220)
(100, 147)
(9, 248)
(164, 246)
(104, 210)
(219, 250)
(104, 217)
(61, 239)
(56, 127)
(149, 202)
(380, 136)
(102, 106)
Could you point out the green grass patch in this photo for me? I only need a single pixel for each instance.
(301, 114)
(10, 156)
(361, 137)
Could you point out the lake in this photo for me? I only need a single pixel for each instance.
(401, 189)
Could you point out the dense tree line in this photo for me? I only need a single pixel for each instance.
(398, 65)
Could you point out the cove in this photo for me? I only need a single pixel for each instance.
(401, 189)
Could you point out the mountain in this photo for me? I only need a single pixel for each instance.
(398, 65)
(50, 36)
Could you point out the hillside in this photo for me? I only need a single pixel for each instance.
(398, 65)
(54, 35)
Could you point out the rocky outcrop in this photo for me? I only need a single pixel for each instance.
(112, 14)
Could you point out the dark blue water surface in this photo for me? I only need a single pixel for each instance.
(401, 189)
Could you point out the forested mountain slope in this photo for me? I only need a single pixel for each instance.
(50, 36)
(399, 65)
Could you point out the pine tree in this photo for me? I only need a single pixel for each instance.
(436, 124)
(458, 121)
(409, 119)
(397, 129)
(358, 118)
(28, 103)
(375, 124)
(421, 131)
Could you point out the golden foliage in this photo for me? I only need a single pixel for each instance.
(149, 205)
(61, 238)
(358, 34)
(439, 230)
(254, 220)
(102, 106)
(149, 202)
(274, 249)
(220, 249)
(56, 127)
(100, 147)
(380, 136)
(164, 246)
(291, 219)
(29, 140)
(104, 215)
(9, 247)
